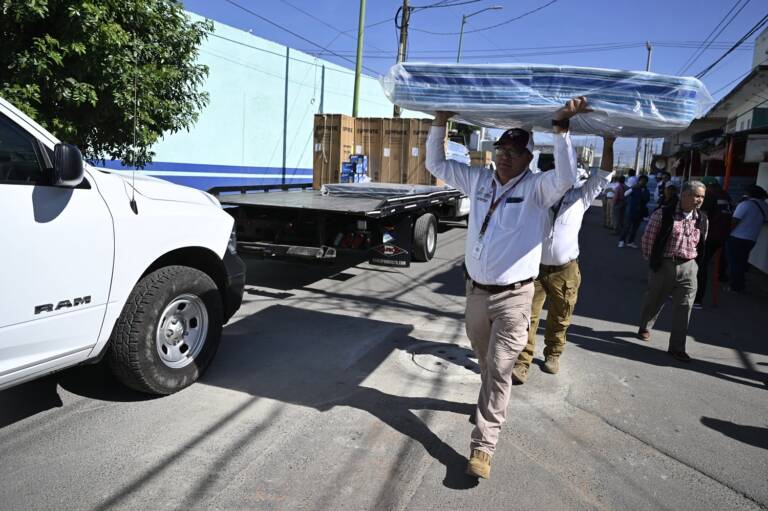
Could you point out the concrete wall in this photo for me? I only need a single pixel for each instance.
(259, 123)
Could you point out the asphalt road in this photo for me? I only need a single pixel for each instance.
(348, 387)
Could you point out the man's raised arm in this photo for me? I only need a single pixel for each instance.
(552, 185)
(602, 177)
(452, 172)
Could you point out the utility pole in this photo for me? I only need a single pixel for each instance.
(359, 63)
(464, 19)
(647, 68)
(401, 49)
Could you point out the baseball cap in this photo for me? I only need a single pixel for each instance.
(518, 138)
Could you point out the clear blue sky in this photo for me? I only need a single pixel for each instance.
(617, 28)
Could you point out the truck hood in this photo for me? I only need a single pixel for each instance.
(158, 189)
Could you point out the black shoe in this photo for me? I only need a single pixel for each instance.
(472, 416)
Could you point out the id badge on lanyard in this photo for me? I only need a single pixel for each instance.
(477, 248)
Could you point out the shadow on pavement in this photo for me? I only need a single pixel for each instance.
(28, 399)
(614, 343)
(93, 381)
(451, 281)
(320, 361)
(287, 275)
(750, 435)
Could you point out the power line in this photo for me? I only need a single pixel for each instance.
(442, 4)
(516, 55)
(312, 16)
(698, 52)
(282, 55)
(665, 44)
(742, 75)
(751, 31)
(231, 2)
(528, 13)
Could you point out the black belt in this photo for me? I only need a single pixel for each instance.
(676, 259)
(494, 289)
(560, 267)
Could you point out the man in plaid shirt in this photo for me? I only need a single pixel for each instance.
(673, 242)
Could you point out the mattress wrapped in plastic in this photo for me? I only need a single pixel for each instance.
(625, 103)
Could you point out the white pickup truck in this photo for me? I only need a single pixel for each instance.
(94, 264)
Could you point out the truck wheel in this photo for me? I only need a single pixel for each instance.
(425, 237)
(168, 331)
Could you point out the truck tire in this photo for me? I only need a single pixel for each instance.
(424, 237)
(168, 332)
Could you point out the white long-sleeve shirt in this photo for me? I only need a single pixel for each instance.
(561, 244)
(512, 242)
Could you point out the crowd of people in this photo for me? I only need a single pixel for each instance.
(733, 229)
(522, 251)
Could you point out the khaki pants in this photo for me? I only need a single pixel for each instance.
(560, 286)
(497, 326)
(678, 279)
(608, 213)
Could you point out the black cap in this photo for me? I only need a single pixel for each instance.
(520, 139)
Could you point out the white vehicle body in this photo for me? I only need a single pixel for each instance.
(71, 256)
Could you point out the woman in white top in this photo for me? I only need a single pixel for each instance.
(748, 220)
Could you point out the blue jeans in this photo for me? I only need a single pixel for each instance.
(738, 250)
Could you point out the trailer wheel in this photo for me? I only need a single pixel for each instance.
(168, 331)
(424, 237)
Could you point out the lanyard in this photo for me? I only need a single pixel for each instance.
(496, 202)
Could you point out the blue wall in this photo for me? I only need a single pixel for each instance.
(245, 136)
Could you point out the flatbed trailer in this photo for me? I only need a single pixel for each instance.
(394, 223)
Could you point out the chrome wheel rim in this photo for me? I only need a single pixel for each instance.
(181, 331)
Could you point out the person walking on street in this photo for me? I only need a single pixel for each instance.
(719, 210)
(619, 205)
(669, 197)
(748, 220)
(559, 275)
(503, 250)
(607, 198)
(672, 243)
(637, 208)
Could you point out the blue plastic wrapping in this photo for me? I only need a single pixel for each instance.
(625, 103)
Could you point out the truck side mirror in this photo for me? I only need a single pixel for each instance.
(67, 165)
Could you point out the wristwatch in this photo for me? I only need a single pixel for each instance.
(563, 123)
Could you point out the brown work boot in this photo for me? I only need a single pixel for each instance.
(551, 364)
(520, 374)
(479, 464)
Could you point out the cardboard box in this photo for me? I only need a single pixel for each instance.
(481, 158)
(333, 143)
(368, 141)
(394, 137)
(416, 172)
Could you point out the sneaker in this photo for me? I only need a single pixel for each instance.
(479, 464)
(631, 245)
(621, 244)
(680, 356)
(520, 374)
(551, 364)
(644, 335)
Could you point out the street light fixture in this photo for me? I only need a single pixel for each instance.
(464, 21)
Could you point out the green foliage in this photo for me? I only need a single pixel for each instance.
(83, 68)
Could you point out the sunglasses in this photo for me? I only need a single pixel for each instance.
(509, 153)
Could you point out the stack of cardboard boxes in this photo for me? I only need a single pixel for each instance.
(396, 148)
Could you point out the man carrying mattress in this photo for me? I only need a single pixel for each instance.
(507, 223)
(559, 276)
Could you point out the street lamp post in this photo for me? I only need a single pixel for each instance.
(464, 21)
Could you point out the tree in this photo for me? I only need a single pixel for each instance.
(87, 69)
